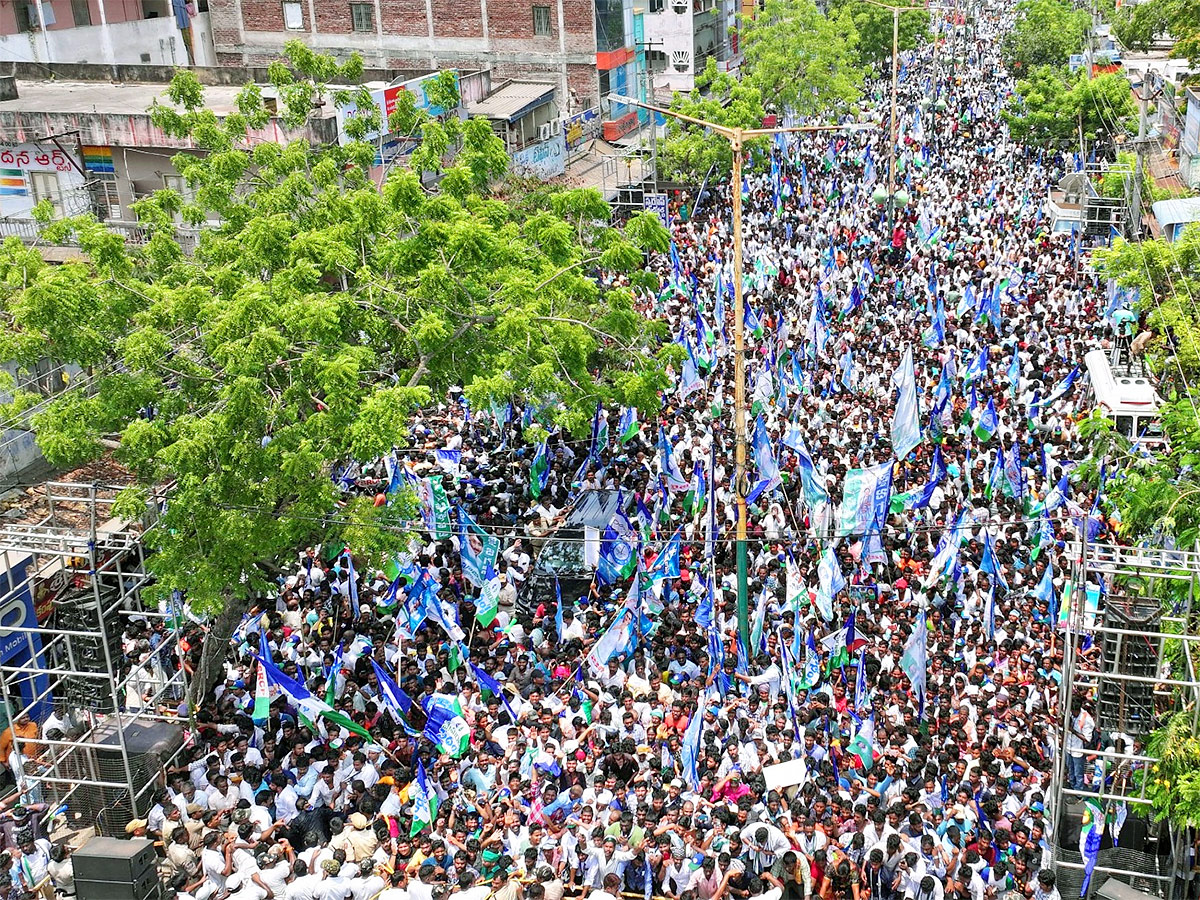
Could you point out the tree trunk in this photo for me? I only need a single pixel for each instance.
(214, 651)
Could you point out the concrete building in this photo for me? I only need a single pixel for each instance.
(106, 32)
(556, 38)
(87, 146)
(682, 35)
(586, 48)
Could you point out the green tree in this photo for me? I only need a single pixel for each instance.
(802, 60)
(1045, 34)
(1160, 497)
(310, 323)
(797, 59)
(874, 26)
(1056, 105)
(690, 152)
(1140, 25)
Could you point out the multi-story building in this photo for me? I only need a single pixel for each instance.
(106, 32)
(682, 35)
(513, 38)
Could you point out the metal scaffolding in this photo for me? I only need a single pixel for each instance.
(71, 577)
(1129, 647)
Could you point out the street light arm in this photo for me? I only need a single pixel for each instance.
(630, 101)
(728, 132)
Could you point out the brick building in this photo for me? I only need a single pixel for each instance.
(552, 40)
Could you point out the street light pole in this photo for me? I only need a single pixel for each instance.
(737, 138)
(739, 396)
(893, 130)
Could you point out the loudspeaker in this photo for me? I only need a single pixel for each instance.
(1128, 706)
(149, 745)
(112, 869)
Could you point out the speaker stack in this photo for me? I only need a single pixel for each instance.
(1128, 706)
(111, 869)
(82, 613)
(150, 746)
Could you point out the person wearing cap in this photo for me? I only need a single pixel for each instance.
(136, 828)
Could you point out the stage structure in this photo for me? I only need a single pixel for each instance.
(1130, 647)
(70, 583)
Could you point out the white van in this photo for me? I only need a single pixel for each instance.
(1128, 399)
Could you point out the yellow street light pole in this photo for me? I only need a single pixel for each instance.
(737, 138)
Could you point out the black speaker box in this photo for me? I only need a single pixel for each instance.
(146, 887)
(106, 859)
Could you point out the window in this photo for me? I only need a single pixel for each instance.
(45, 187)
(82, 11)
(363, 16)
(27, 19)
(293, 16)
(541, 20)
(656, 5)
(106, 200)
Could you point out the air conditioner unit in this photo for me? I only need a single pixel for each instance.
(544, 132)
(556, 126)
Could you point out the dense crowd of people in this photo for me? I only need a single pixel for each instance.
(881, 726)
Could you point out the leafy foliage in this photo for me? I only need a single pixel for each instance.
(874, 26)
(689, 152)
(1140, 25)
(802, 59)
(1173, 782)
(314, 318)
(1055, 104)
(798, 59)
(1045, 34)
(1160, 497)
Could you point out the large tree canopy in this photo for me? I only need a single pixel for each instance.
(1158, 497)
(313, 319)
(798, 60)
(689, 152)
(803, 61)
(1056, 105)
(1046, 33)
(874, 25)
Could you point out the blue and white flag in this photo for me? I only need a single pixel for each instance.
(666, 564)
(1061, 389)
(914, 659)
(866, 496)
(978, 367)
(764, 458)
(493, 687)
(666, 460)
(906, 421)
(989, 563)
(690, 746)
(477, 549)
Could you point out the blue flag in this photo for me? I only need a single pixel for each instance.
(690, 746)
(493, 687)
(906, 421)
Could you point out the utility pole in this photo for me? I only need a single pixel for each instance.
(1135, 203)
(648, 88)
(737, 138)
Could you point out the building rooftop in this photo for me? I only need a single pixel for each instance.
(1173, 212)
(105, 98)
(116, 113)
(512, 100)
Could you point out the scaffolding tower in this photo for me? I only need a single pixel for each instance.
(1121, 634)
(70, 582)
